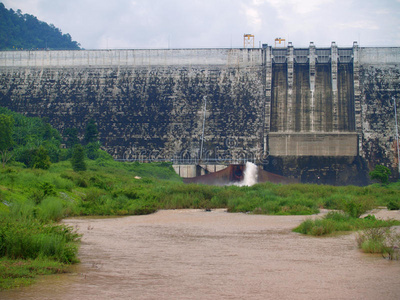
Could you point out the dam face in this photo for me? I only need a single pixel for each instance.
(312, 102)
(318, 114)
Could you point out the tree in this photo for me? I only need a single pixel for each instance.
(92, 150)
(380, 173)
(40, 158)
(91, 132)
(25, 31)
(71, 135)
(6, 139)
(78, 158)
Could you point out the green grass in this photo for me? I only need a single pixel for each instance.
(26, 238)
(341, 222)
(22, 272)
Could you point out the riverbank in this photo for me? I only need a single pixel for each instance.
(194, 254)
(34, 198)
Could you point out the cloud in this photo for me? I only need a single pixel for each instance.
(218, 23)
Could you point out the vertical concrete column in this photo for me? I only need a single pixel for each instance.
(268, 86)
(312, 59)
(357, 95)
(289, 109)
(335, 99)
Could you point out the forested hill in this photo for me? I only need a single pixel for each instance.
(22, 31)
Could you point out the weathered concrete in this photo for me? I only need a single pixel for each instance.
(312, 144)
(149, 104)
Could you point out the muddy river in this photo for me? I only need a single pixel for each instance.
(193, 254)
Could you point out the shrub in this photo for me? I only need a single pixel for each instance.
(379, 240)
(37, 158)
(355, 207)
(380, 173)
(393, 204)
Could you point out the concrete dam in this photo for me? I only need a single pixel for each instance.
(322, 115)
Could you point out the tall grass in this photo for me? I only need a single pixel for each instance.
(339, 222)
(111, 189)
(29, 239)
(380, 240)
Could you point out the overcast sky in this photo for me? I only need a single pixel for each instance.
(101, 24)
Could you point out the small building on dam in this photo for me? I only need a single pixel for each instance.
(320, 115)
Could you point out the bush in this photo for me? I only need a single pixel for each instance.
(379, 240)
(356, 207)
(393, 205)
(36, 158)
(380, 173)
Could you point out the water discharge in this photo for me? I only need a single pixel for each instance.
(193, 254)
(250, 176)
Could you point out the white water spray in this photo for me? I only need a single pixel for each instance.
(250, 175)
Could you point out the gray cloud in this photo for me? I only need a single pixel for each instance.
(218, 23)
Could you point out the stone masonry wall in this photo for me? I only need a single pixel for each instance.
(152, 108)
(380, 83)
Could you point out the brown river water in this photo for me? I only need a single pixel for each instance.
(193, 254)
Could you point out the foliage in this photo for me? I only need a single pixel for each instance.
(71, 135)
(40, 158)
(380, 240)
(91, 132)
(36, 158)
(78, 158)
(29, 239)
(380, 173)
(338, 221)
(6, 139)
(356, 208)
(6, 129)
(22, 272)
(31, 133)
(393, 204)
(92, 150)
(24, 31)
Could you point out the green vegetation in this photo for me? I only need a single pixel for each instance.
(42, 184)
(24, 31)
(22, 272)
(380, 240)
(6, 140)
(78, 158)
(381, 174)
(339, 222)
(33, 142)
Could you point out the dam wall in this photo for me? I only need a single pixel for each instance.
(148, 104)
(274, 106)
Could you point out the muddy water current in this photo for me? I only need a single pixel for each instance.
(193, 254)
